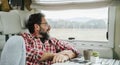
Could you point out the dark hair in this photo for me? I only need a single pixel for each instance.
(34, 19)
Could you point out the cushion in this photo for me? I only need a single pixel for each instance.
(14, 52)
(24, 15)
(11, 22)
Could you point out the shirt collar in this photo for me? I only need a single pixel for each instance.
(34, 36)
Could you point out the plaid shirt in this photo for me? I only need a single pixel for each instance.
(35, 48)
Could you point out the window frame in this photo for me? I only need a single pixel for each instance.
(101, 44)
(109, 43)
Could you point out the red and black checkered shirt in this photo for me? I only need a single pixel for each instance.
(35, 48)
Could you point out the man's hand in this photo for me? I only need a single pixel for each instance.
(59, 58)
(47, 56)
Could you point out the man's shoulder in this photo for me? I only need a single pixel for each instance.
(25, 34)
(52, 38)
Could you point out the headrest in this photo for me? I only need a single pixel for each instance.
(10, 22)
(13, 22)
(24, 15)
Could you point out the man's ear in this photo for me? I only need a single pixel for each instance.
(36, 27)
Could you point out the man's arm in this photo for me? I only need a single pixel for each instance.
(47, 56)
(56, 57)
(68, 53)
(64, 56)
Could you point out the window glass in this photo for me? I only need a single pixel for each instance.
(81, 24)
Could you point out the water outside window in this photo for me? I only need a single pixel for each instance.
(82, 24)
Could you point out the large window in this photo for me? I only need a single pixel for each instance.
(81, 24)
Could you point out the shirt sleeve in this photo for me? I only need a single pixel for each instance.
(32, 54)
(62, 45)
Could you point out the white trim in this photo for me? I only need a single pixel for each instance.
(97, 44)
(111, 19)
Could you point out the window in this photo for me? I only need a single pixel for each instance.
(81, 24)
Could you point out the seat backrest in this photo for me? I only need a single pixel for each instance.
(14, 52)
(11, 22)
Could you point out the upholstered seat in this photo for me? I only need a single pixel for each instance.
(13, 52)
(12, 23)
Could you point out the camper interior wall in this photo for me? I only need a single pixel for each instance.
(117, 34)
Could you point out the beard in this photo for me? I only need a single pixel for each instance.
(45, 35)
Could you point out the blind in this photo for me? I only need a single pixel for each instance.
(69, 4)
(55, 1)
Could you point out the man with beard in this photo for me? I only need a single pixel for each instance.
(42, 49)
